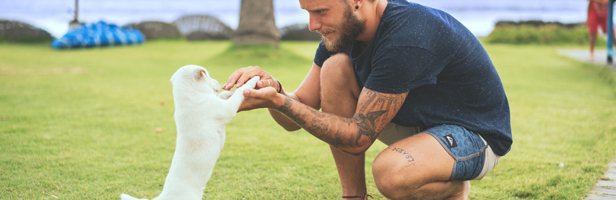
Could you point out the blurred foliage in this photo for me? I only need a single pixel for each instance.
(26, 40)
(549, 34)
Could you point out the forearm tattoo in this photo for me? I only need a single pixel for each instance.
(379, 107)
(343, 132)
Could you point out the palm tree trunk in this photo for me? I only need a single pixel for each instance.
(257, 24)
(76, 11)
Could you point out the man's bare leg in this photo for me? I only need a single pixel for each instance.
(339, 94)
(417, 167)
(593, 40)
(457, 193)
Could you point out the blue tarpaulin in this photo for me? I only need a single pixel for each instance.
(98, 34)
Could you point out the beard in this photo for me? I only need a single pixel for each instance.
(349, 30)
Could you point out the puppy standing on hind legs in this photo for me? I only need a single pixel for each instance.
(200, 116)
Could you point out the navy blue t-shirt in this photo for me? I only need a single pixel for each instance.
(447, 72)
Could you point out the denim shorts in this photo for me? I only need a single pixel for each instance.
(473, 157)
(468, 150)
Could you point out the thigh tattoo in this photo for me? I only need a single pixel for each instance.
(404, 153)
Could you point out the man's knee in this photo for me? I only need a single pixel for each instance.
(338, 83)
(389, 181)
(388, 187)
(337, 67)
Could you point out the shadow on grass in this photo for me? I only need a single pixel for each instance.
(263, 55)
(605, 73)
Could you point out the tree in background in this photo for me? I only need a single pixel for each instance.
(257, 24)
(75, 23)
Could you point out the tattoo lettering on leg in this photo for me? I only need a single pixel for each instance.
(406, 154)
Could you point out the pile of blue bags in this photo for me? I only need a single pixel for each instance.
(98, 34)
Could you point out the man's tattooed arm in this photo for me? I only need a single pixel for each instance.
(374, 111)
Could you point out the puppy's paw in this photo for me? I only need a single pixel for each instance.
(225, 94)
(252, 83)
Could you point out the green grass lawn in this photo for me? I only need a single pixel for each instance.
(80, 124)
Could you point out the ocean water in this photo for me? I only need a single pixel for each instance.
(477, 15)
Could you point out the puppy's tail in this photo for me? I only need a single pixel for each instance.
(128, 197)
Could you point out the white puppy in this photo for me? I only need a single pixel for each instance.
(200, 117)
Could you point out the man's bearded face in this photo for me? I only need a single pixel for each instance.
(348, 31)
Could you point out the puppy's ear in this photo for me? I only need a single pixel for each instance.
(202, 74)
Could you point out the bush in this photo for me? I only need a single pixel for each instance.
(20, 32)
(550, 34)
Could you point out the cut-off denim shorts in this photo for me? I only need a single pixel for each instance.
(467, 149)
(473, 156)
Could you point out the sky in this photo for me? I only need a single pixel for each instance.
(478, 15)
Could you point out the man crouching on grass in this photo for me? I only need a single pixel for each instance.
(409, 75)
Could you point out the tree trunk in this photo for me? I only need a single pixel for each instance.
(257, 24)
(76, 11)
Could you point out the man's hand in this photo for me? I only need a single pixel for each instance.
(242, 75)
(266, 97)
(267, 88)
